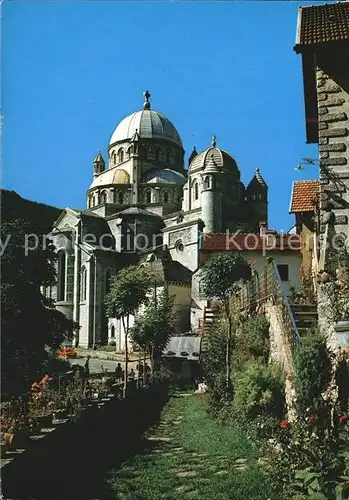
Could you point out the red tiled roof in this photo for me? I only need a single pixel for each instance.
(249, 242)
(304, 196)
(323, 23)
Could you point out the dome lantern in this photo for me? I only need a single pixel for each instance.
(147, 95)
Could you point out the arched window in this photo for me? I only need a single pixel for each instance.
(148, 196)
(61, 275)
(166, 197)
(103, 198)
(112, 331)
(207, 182)
(121, 197)
(254, 197)
(121, 155)
(83, 284)
(114, 158)
(168, 156)
(157, 154)
(196, 190)
(128, 153)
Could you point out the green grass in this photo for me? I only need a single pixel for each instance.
(190, 456)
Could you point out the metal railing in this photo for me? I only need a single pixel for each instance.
(267, 285)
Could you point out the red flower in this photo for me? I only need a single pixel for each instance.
(311, 420)
(343, 418)
(284, 424)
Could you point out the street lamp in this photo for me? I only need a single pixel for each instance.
(326, 173)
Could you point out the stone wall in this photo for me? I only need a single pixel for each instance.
(280, 352)
(333, 109)
(325, 322)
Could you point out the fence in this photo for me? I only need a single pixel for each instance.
(267, 285)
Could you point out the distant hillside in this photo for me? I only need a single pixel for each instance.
(14, 207)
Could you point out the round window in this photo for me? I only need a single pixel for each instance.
(179, 246)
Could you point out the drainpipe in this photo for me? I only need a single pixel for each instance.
(77, 274)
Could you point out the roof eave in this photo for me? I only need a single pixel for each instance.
(310, 97)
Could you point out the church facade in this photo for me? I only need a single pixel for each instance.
(144, 206)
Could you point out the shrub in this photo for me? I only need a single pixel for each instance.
(259, 389)
(312, 371)
(254, 338)
(112, 343)
(213, 365)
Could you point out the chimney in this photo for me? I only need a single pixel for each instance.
(262, 228)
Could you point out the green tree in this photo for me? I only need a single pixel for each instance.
(30, 325)
(153, 329)
(218, 276)
(128, 291)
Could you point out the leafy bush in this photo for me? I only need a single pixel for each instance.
(259, 389)
(312, 371)
(253, 339)
(54, 365)
(342, 382)
(112, 343)
(311, 459)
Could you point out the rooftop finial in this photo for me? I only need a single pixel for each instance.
(146, 104)
(213, 142)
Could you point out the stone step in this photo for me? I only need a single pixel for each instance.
(305, 320)
(303, 307)
(305, 316)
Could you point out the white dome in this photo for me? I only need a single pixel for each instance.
(165, 176)
(149, 124)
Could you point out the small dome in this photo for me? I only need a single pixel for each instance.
(111, 176)
(149, 124)
(121, 177)
(164, 176)
(214, 157)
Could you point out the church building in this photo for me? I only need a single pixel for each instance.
(144, 206)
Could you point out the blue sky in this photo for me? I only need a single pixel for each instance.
(72, 70)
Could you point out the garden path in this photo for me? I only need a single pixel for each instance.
(185, 456)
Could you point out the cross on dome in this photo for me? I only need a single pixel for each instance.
(213, 142)
(147, 95)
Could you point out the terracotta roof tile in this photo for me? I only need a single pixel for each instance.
(323, 23)
(304, 196)
(220, 242)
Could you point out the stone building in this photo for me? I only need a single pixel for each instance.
(144, 206)
(323, 41)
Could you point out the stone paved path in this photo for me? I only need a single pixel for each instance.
(185, 472)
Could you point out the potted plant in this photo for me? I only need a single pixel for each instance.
(15, 426)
